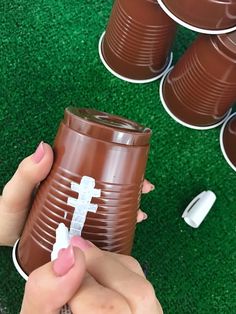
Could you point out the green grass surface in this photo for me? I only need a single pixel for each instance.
(48, 60)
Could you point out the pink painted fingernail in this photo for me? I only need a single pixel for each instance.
(145, 216)
(80, 243)
(152, 187)
(38, 154)
(64, 262)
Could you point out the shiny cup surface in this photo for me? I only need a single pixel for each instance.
(204, 14)
(138, 39)
(112, 152)
(201, 88)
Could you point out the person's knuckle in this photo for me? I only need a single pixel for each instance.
(133, 263)
(145, 293)
(22, 167)
(29, 173)
(36, 292)
(33, 285)
(24, 171)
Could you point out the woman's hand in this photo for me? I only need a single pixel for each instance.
(91, 281)
(17, 195)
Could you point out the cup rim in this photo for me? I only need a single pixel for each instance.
(15, 262)
(191, 27)
(126, 79)
(222, 142)
(190, 126)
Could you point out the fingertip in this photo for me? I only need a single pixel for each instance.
(147, 186)
(39, 153)
(145, 216)
(141, 216)
(36, 167)
(47, 161)
(65, 261)
(42, 154)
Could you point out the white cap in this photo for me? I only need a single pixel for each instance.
(198, 209)
(62, 240)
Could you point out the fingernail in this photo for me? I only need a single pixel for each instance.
(64, 262)
(145, 268)
(38, 154)
(145, 216)
(80, 243)
(152, 187)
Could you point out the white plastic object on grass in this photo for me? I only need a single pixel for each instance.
(198, 209)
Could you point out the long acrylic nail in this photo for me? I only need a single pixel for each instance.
(80, 243)
(64, 262)
(38, 154)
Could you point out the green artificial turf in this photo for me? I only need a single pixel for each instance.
(49, 60)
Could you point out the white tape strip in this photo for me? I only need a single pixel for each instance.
(62, 242)
(86, 191)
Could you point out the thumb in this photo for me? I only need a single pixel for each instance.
(51, 286)
(33, 169)
(16, 196)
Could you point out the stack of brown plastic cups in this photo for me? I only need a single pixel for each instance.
(201, 89)
(228, 141)
(203, 16)
(136, 46)
(94, 187)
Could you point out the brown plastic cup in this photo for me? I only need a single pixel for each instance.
(201, 89)
(109, 149)
(228, 141)
(136, 46)
(204, 16)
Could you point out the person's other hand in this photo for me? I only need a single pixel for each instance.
(147, 187)
(91, 281)
(17, 194)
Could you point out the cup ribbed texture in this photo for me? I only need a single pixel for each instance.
(103, 228)
(200, 90)
(138, 39)
(229, 141)
(112, 161)
(133, 42)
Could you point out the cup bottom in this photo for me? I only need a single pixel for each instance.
(15, 261)
(126, 78)
(191, 27)
(171, 114)
(222, 146)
